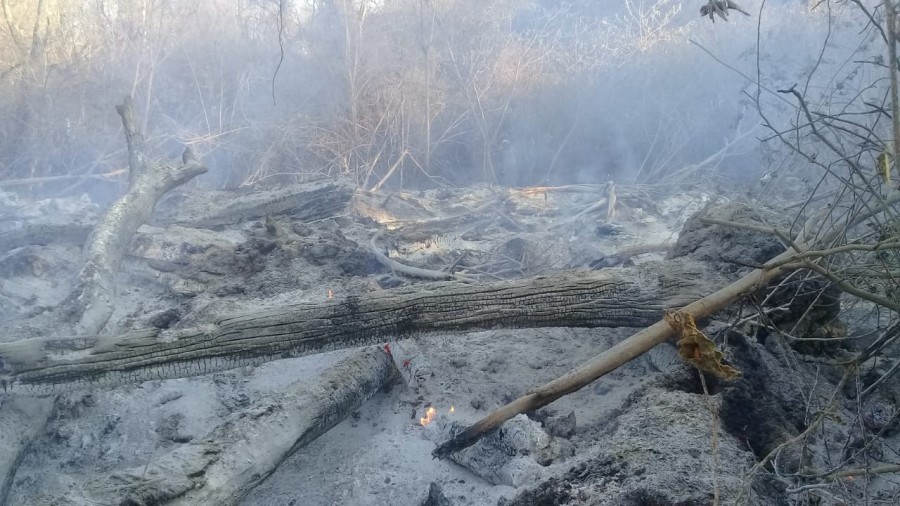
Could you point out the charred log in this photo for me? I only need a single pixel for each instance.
(222, 467)
(630, 298)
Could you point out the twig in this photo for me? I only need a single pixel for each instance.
(893, 468)
(891, 13)
(886, 376)
(108, 176)
(714, 421)
(416, 272)
(390, 172)
(593, 207)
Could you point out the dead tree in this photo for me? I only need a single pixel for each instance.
(91, 301)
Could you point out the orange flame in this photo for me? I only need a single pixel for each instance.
(330, 294)
(429, 416)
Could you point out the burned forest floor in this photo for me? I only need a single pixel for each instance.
(643, 434)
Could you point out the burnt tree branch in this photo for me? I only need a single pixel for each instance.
(91, 300)
(226, 464)
(137, 160)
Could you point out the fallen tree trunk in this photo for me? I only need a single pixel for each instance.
(306, 201)
(222, 467)
(109, 176)
(624, 298)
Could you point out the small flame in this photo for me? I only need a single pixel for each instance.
(429, 416)
(452, 410)
(330, 294)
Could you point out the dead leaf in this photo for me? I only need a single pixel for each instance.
(696, 348)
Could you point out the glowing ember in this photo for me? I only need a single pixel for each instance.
(429, 416)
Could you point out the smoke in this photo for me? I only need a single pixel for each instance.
(454, 92)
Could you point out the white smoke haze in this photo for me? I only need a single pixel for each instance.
(464, 91)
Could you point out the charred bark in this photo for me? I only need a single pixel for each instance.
(305, 201)
(629, 298)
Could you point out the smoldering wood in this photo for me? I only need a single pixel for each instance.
(305, 201)
(233, 458)
(408, 270)
(410, 220)
(511, 457)
(313, 201)
(412, 364)
(632, 297)
(423, 230)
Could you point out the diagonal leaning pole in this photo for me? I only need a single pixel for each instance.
(813, 232)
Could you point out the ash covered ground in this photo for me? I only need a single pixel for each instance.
(641, 435)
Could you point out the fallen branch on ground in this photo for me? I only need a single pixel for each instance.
(308, 201)
(408, 270)
(608, 361)
(108, 176)
(43, 234)
(223, 466)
